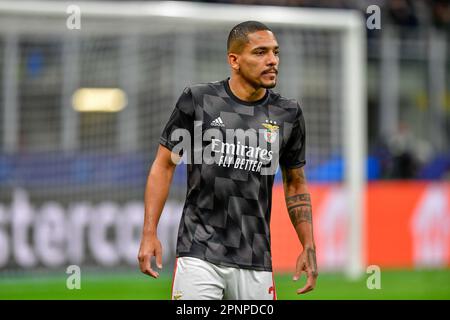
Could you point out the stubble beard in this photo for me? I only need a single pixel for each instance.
(269, 86)
(259, 84)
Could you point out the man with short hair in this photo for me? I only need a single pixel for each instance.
(223, 247)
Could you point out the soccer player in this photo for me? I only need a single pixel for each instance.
(223, 247)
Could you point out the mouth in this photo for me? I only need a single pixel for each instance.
(271, 71)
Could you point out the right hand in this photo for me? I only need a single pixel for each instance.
(150, 247)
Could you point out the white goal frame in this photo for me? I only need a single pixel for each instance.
(350, 22)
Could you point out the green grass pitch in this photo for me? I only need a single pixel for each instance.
(395, 284)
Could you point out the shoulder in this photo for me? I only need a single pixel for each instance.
(193, 95)
(289, 104)
(200, 89)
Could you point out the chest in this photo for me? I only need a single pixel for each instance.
(261, 124)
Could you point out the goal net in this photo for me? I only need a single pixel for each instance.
(54, 157)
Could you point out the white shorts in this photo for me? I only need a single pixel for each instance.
(196, 279)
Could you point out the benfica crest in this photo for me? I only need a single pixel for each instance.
(271, 130)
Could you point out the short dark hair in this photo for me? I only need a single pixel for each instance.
(238, 35)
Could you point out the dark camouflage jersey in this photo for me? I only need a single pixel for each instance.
(226, 216)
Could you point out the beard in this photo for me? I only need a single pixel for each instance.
(269, 86)
(258, 83)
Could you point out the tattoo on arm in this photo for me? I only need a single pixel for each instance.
(311, 253)
(299, 208)
(300, 213)
(298, 197)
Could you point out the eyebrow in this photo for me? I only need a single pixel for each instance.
(265, 48)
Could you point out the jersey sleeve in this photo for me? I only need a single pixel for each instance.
(182, 117)
(293, 155)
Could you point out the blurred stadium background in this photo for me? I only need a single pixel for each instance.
(81, 112)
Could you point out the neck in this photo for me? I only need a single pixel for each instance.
(244, 90)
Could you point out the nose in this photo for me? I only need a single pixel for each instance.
(272, 59)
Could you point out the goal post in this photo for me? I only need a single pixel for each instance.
(336, 37)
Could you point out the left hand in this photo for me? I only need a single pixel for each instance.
(306, 263)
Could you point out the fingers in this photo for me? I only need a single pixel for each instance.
(158, 253)
(299, 268)
(310, 283)
(305, 289)
(151, 272)
(298, 275)
(145, 265)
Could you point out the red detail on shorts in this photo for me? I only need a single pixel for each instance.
(173, 278)
(272, 289)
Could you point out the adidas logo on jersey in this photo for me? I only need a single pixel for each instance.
(217, 122)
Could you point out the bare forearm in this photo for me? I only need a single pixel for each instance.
(156, 193)
(298, 203)
(300, 213)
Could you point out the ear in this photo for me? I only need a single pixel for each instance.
(233, 61)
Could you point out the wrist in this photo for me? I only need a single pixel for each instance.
(149, 232)
(309, 246)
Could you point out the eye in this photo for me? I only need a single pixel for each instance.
(276, 52)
